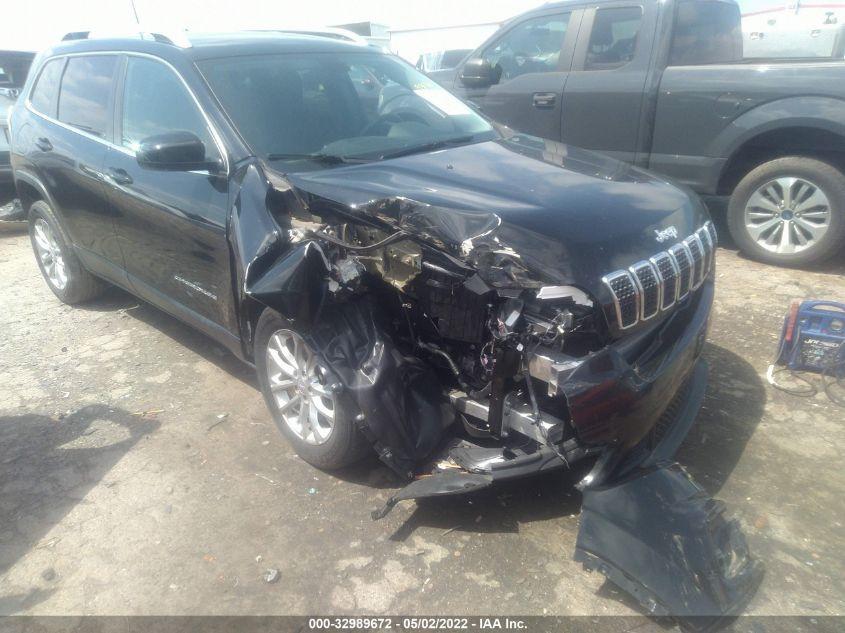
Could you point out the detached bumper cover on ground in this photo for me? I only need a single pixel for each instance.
(662, 539)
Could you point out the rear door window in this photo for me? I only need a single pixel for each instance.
(706, 33)
(86, 94)
(613, 39)
(46, 89)
(155, 101)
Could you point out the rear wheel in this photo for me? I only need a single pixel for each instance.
(62, 270)
(307, 403)
(789, 211)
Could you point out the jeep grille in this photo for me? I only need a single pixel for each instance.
(652, 286)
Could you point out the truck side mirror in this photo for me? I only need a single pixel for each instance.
(479, 73)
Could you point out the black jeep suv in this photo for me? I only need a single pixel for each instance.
(405, 275)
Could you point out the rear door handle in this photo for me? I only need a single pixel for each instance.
(544, 99)
(43, 144)
(119, 176)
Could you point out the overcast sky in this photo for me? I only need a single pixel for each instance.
(35, 24)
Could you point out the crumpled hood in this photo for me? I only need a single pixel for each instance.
(570, 214)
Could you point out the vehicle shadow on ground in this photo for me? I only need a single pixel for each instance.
(499, 509)
(118, 300)
(48, 466)
(733, 407)
(13, 228)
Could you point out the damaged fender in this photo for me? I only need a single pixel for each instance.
(403, 409)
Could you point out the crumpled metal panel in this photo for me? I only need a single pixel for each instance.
(403, 405)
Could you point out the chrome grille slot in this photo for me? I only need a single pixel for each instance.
(654, 285)
(667, 270)
(709, 251)
(648, 285)
(684, 260)
(714, 236)
(626, 298)
(697, 250)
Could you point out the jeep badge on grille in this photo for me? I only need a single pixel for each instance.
(670, 232)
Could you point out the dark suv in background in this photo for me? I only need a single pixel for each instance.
(665, 84)
(14, 67)
(406, 277)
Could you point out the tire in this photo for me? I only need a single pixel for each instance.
(764, 205)
(344, 445)
(52, 248)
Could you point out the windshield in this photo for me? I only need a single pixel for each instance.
(317, 108)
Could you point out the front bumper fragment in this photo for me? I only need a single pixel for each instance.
(617, 394)
(660, 537)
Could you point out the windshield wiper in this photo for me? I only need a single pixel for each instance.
(328, 159)
(428, 147)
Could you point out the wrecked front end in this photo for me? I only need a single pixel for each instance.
(478, 347)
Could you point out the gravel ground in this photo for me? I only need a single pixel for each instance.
(140, 474)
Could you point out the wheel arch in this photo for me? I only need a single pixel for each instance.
(30, 190)
(812, 127)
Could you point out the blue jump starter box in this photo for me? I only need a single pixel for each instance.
(813, 337)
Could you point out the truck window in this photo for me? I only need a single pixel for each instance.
(706, 33)
(614, 38)
(531, 47)
(84, 98)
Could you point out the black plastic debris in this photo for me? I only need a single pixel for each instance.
(442, 484)
(659, 536)
(403, 409)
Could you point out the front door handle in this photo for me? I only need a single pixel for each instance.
(90, 171)
(43, 144)
(119, 176)
(544, 99)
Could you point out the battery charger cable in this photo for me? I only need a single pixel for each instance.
(832, 378)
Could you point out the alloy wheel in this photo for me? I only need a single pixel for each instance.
(301, 388)
(50, 254)
(787, 215)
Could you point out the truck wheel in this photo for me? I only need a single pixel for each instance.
(789, 211)
(307, 404)
(61, 269)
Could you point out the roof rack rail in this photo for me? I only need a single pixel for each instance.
(178, 39)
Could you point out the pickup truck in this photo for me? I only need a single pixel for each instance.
(664, 84)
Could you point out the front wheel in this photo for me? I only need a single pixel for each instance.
(789, 211)
(307, 403)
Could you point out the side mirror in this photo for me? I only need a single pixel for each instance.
(173, 151)
(479, 73)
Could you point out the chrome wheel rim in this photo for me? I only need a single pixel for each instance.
(50, 255)
(301, 389)
(787, 215)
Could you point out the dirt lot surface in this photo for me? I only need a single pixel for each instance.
(140, 474)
